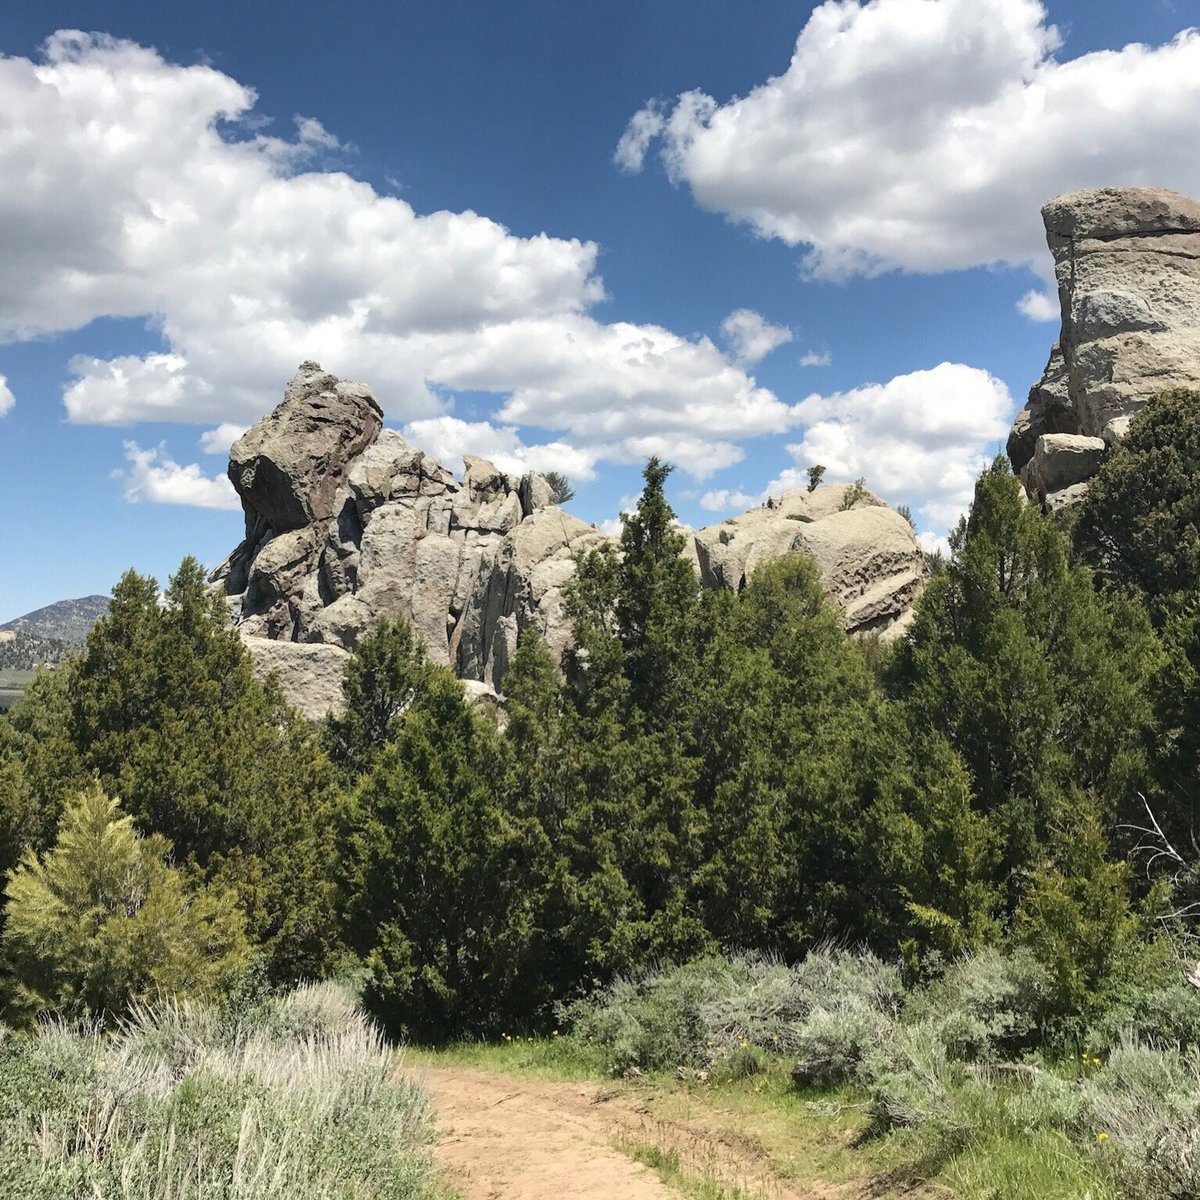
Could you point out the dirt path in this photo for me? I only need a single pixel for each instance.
(517, 1139)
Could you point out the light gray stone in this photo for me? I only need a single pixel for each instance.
(386, 470)
(535, 493)
(309, 674)
(870, 561)
(1048, 410)
(1127, 264)
(389, 532)
(1062, 460)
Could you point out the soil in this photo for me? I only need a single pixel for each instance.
(505, 1138)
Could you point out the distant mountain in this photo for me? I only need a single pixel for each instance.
(65, 621)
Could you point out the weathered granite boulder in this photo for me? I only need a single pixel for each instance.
(870, 561)
(1062, 462)
(309, 674)
(289, 467)
(1127, 264)
(519, 585)
(347, 525)
(346, 522)
(1049, 410)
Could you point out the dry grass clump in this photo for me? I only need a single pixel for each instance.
(294, 1099)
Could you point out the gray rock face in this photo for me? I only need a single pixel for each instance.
(288, 468)
(1049, 410)
(347, 523)
(1062, 463)
(870, 561)
(1127, 263)
(310, 675)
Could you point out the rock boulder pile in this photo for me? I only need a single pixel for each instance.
(346, 522)
(1127, 264)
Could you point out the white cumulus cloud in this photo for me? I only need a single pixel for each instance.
(7, 399)
(149, 190)
(925, 135)
(813, 358)
(920, 439)
(449, 438)
(1039, 306)
(219, 440)
(152, 475)
(751, 336)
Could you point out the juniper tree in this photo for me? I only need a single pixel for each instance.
(101, 921)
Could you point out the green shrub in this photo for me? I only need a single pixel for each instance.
(831, 1004)
(911, 1079)
(102, 921)
(991, 1004)
(1142, 1109)
(657, 1022)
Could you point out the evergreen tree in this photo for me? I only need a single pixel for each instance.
(1140, 522)
(1076, 915)
(384, 675)
(443, 892)
(637, 833)
(1038, 681)
(102, 921)
(656, 601)
(163, 709)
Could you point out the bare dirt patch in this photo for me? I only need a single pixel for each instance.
(506, 1138)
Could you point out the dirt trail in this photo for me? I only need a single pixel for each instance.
(505, 1138)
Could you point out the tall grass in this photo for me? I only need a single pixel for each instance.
(292, 1099)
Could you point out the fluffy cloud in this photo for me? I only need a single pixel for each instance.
(449, 438)
(7, 399)
(814, 359)
(219, 440)
(728, 499)
(150, 191)
(925, 134)
(751, 336)
(152, 475)
(1038, 306)
(920, 439)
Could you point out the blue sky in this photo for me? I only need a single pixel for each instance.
(746, 236)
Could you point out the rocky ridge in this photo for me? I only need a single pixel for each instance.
(346, 522)
(1127, 265)
(64, 621)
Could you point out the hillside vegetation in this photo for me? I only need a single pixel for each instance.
(652, 846)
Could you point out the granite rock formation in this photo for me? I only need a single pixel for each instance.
(346, 522)
(1127, 264)
(869, 558)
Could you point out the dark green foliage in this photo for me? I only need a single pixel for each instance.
(382, 679)
(815, 474)
(657, 595)
(702, 773)
(560, 487)
(442, 877)
(1038, 680)
(162, 709)
(1075, 917)
(1140, 524)
(854, 493)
